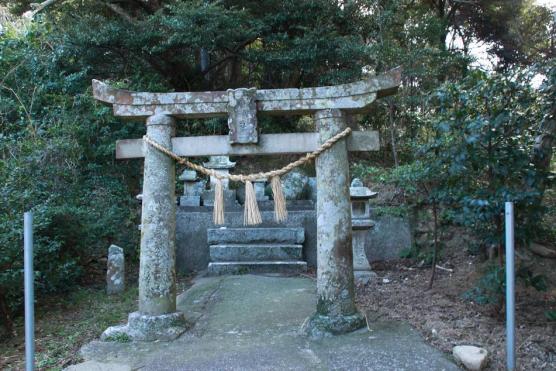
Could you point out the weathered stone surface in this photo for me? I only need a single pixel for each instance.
(144, 327)
(225, 235)
(192, 188)
(115, 273)
(230, 198)
(319, 326)
(192, 224)
(255, 252)
(251, 322)
(269, 144)
(312, 189)
(336, 311)
(361, 223)
(98, 366)
(259, 186)
(360, 261)
(472, 357)
(244, 267)
(157, 276)
(353, 97)
(388, 238)
(293, 184)
(222, 165)
(188, 176)
(190, 201)
(242, 116)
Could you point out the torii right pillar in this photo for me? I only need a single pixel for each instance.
(336, 311)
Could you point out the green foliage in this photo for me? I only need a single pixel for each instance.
(119, 338)
(530, 279)
(550, 315)
(490, 288)
(56, 144)
(56, 156)
(481, 140)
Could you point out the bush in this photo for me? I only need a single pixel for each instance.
(56, 151)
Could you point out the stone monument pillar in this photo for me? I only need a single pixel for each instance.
(360, 223)
(115, 272)
(157, 318)
(336, 311)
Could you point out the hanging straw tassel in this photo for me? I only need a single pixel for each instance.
(251, 214)
(280, 211)
(218, 211)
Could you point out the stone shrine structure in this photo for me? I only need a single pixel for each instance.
(157, 318)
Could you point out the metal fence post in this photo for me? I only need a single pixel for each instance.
(29, 291)
(510, 287)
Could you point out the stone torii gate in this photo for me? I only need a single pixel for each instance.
(157, 317)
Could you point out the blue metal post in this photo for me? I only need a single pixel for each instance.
(510, 287)
(29, 291)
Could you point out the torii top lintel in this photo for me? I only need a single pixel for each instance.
(354, 97)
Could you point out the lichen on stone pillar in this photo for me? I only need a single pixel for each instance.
(336, 311)
(157, 318)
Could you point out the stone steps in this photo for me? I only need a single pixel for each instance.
(244, 267)
(217, 236)
(255, 252)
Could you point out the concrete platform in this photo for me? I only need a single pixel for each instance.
(251, 322)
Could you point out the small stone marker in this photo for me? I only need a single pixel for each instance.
(471, 357)
(115, 275)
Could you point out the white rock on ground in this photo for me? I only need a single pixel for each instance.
(472, 357)
(98, 366)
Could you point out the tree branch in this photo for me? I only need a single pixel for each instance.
(120, 11)
(38, 7)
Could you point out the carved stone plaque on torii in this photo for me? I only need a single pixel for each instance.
(157, 318)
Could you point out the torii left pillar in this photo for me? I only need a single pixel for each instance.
(157, 318)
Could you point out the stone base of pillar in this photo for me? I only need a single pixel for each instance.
(318, 326)
(142, 327)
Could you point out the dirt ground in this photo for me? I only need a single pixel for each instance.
(446, 319)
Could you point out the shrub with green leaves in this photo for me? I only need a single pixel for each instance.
(56, 160)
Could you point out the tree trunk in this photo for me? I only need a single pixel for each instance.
(393, 134)
(435, 242)
(542, 149)
(5, 314)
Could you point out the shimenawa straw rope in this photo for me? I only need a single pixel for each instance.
(251, 213)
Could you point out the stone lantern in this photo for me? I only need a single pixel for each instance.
(222, 165)
(360, 223)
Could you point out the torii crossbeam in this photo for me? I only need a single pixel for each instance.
(157, 318)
